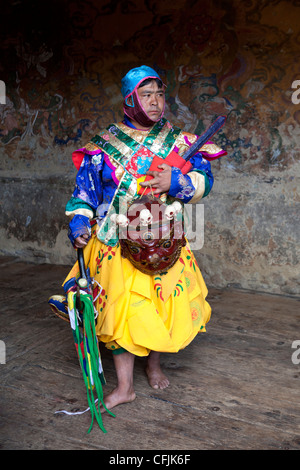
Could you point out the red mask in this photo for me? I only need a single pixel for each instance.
(153, 239)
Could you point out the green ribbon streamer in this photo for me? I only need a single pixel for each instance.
(92, 366)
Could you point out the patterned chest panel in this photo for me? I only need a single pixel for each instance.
(134, 149)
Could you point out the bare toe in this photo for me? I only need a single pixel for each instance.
(117, 397)
(157, 378)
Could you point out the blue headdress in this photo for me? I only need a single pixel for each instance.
(134, 77)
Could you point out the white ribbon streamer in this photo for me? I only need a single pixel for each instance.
(75, 413)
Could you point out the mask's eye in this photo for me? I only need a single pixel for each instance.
(148, 236)
(167, 244)
(134, 250)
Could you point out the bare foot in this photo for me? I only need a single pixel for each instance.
(124, 391)
(156, 377)
(117, 397)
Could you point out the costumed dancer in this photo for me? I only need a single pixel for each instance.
(149, 293)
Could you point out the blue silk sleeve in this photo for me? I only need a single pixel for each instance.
(79, 225)
(181, 185)
(88, 181)
(86, 197)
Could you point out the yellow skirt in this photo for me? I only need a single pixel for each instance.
(143, 313)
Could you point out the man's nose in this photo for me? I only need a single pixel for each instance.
(154, 100)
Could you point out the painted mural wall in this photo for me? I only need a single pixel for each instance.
(62, 65)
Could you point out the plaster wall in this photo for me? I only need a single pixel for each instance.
(62, 82)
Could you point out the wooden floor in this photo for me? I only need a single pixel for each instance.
(234, 387)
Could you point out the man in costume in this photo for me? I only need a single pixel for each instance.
(148, 291)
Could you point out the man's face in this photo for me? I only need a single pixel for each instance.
(152, 100)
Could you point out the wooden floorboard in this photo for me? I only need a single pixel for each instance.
(235, 387)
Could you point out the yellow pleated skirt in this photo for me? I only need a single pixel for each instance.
(143, 313)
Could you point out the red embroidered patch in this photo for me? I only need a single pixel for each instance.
(140, 162)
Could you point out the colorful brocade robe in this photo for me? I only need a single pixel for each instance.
(113, 163)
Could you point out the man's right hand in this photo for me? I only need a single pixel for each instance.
(81, 242)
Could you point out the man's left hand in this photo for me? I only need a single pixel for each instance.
(161, 180)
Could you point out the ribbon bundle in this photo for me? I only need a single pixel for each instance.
(88, 353)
